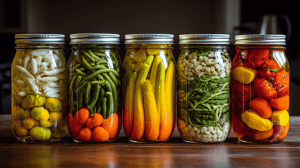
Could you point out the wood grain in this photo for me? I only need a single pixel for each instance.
(123, 153)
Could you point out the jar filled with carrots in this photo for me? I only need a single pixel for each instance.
(149, 87)
(94, 88)
(203, 78)
(39, 105)
(260, 89)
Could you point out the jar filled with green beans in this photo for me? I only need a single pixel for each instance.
(203, 104)
(94, 87)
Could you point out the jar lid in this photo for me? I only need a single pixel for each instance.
(95, 38)
(40, 39)
(149, 39)
(204, 39)
(260, 39)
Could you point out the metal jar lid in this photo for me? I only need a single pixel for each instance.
(40, 39)
(149, 39)
(260, 39)
(204, 39)
(95, 38)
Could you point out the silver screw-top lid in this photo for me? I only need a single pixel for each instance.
(260, 39)
(95, 38)
(149, 39)
(40, 39)
(204, 39)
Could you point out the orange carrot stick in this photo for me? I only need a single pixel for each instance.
(128, 107)
(151, 114)
(138, 116)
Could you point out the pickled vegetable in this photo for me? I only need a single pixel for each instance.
(38, 75)
(149, 92)
(204, 93)
(261, 114)
(94, 93)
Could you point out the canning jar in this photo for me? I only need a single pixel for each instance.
(260, 89)
(203, 77)
(39, 105)
(94, 87)
(149, 87)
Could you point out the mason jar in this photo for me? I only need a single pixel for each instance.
(204, 84)
(39, 103)
(94, 87)
(149, 87)
(260, 89)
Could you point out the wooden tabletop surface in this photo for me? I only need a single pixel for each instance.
(123, 153)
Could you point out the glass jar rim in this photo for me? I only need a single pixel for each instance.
(204, 39)
(260, 39)
(40, 39)
(149, 39)
(95, 38)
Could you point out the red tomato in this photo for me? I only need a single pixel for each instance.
(263, 88)
(242, 92)
(257, 57)
(282, 83)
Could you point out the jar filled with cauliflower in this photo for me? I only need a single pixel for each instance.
(39, 102)
(203, 77)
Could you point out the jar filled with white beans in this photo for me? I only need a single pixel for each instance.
(203, 78)
(39, 102)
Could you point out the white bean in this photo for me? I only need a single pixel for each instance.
(34, 66)
(198, 131)
(39, 52)
(199, 136)
(207, 132)
(203, 129)
(214, 136)
(210, 129)
(213, 132)
(195, 129)
(22, 94)
(189, 127)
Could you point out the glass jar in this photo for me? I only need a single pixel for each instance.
(94, 88)
(39, 105)
(203, 77)
(149, 87)
(260, 89)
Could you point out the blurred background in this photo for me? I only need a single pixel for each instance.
(156, 16)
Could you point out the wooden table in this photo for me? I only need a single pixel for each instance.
(123, 153)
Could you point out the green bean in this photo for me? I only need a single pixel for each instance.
(78, 81)
(110, 108)
(72, 83)
(75, 67)
(87, 93)
(82, 69)
(101, 96)
(114, 57)
(81, 86)
(99, 72)
(114, 91)
(95, 97)
(91, 112)
(78, 58)
(80, 72)
(93, 55)
(88, 56)
(80, 100)
(113, 78)
(104, 100)
(100, 54)
(86, 64)
(101, 61)
(99, 67)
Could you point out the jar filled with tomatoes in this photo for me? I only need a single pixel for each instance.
(260, 89)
